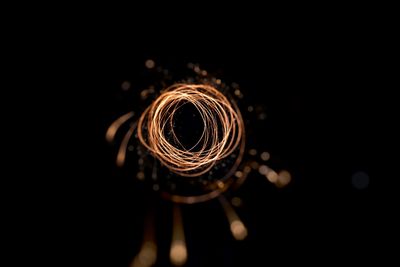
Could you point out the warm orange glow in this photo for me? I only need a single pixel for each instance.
(144, 93)
(149, 64)
(140, 175)
(124, 145)
(239, 174)
(223, 134)
(265, 156)
(238, 230)
(284, 179)
(215, 144)
(263, 169)
(247, 169)
(237, 227)
(178, 253)
(112, 130)
(272, 176)
(147, 256)
(252, 152)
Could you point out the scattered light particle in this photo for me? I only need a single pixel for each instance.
(140, 175)
(239, 174)
(265, 156)
(263, 169)
(150, 64)
(253, 152)
(126, 85)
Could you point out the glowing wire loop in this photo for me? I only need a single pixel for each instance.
(222, 133)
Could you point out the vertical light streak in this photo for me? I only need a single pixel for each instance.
(147, 255)
(237, 227)
(178, 252)
(124, 146)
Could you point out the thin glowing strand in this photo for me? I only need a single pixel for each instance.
(222, 129)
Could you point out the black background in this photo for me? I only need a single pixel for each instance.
(318, 88)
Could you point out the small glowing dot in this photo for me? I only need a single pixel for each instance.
(218, 81)
(272, 176)
(220, 184)
(126, 85)
(197, 69)
(237, 202)
(144, 93)
(178, 253)
(360, 180)
(131, 148)
(140, 161)
(265, 156)
(247, 169)
(238, 230)
(156, 187)
(284, 178)
(237, 92)
(140, 175)
(190, 65)
(150, 64)
(253, 152)
(204, 72)
(250, 108)
(263, 169)
(239, 174)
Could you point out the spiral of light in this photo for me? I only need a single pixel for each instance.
(222, 132)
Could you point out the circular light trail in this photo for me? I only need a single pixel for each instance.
(222, 133)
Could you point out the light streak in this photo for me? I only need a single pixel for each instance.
(222, 133)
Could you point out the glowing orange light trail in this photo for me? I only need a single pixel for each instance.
(222, 129)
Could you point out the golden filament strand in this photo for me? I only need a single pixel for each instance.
(112, 130)
(222, 129)
(124, 145)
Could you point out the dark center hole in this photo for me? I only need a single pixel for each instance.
(188, 126)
